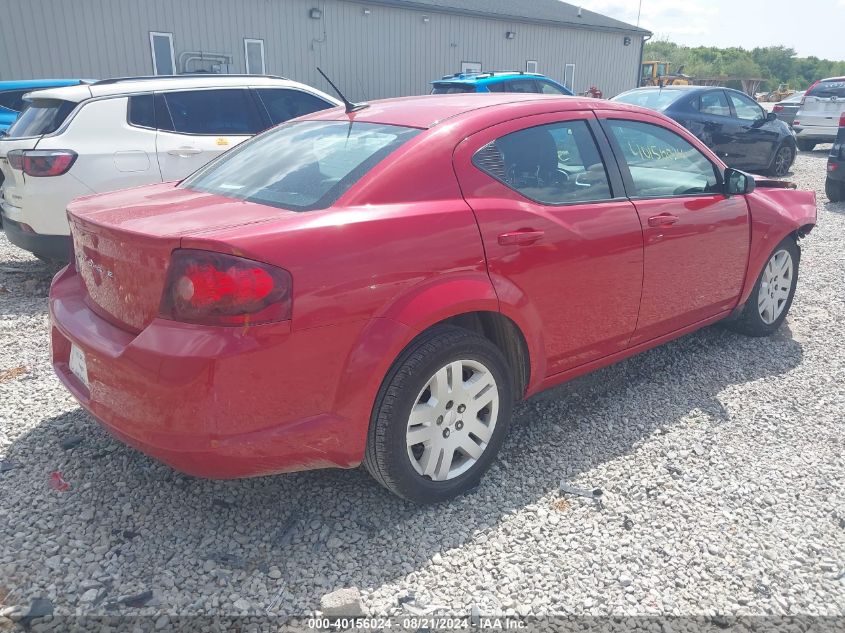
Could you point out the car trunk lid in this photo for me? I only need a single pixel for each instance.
(123, 242)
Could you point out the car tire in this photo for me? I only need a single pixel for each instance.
(782, 160)
(408, 408)
(805, 145)
(834, 189)
(771, 297)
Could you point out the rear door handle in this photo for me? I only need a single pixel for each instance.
(522, 237)
(184, 152)
(664, 219)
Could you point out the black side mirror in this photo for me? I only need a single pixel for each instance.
(771, 116)
(738, 183)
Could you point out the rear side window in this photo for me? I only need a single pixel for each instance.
(41, 116)
(827, 89)
(714, 103)
(12, 99)
(142, 111)
(452, 89)
(283, 104)
(550, 89)
(300, 166)
(217, 112)
(661, 163)
(656, 99)
(521, 85)
(552, 164)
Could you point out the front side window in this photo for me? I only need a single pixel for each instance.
(41, 116)
(552, 164)
(548, 88)
(714, 103)
(283, 104)
(654, 98)
(221, 112)
(521, 85)
(300, 166)
(661, 163)
(746, 108)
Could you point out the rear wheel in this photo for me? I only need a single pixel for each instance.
(782, 160)
(806, 146)
(440, 416)
(772, 295)
(835, 190)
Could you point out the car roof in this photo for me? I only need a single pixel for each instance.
(473, 78)
(27, 84)
(430, 110)
(135, 85)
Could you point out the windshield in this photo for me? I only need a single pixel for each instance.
(300, 166)
(656, 99)
(827, 89)
(41, 116)
(452, 88)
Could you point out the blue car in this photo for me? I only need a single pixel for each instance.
(728, 121)
(12, 92)
(503, 81)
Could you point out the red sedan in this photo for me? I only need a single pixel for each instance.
(380, 286)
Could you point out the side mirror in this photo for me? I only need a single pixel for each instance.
(738, 183)
(771, 116)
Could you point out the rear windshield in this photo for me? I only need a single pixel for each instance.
(41, 116)
(300, 166)
(828, 89)
(656, 99)
(452, 89)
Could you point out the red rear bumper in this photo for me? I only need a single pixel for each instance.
(210, 401)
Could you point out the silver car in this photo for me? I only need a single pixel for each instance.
(818, 119)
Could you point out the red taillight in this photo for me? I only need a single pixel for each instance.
(806, 94)
(41, 162)
(218, 289)
(777, 108)
(842, 120)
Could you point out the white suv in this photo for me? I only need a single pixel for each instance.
(120, 133)
(818, 119)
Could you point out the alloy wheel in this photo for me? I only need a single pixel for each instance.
(783, 161)
(452, 420)
(775, 286)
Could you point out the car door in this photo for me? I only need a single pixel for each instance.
(559, 235)
(756, 134)
(195, 126)
(710, 119)
(695, 237)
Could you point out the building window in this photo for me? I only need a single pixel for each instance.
(470, 67)
(161, 47)
(531, 66)
(569, 76)
(254, 54)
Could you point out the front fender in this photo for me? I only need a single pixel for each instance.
(775, 213)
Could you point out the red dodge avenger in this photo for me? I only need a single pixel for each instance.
(381, 285)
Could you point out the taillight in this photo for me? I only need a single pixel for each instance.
(842, 120)
(217, 289)
(806, 94)
(41, 162)
(777, 108)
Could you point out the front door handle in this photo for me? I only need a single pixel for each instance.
(522, 237)
(184, 152)
(664, 219)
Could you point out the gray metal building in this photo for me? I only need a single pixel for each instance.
(374, 49)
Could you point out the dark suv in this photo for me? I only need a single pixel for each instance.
(834, 186)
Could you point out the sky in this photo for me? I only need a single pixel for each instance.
(811, 27)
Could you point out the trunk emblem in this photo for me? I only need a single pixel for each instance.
(87, 261)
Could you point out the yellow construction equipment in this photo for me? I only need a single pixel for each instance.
(660, 73)
(783, 92)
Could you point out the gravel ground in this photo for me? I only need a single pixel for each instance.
(720, 457)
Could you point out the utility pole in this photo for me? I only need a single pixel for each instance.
(639, 11)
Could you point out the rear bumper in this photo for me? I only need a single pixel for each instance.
(209, 401)
(818, 133)
(55, 247)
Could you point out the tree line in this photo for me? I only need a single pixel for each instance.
(774, 64)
